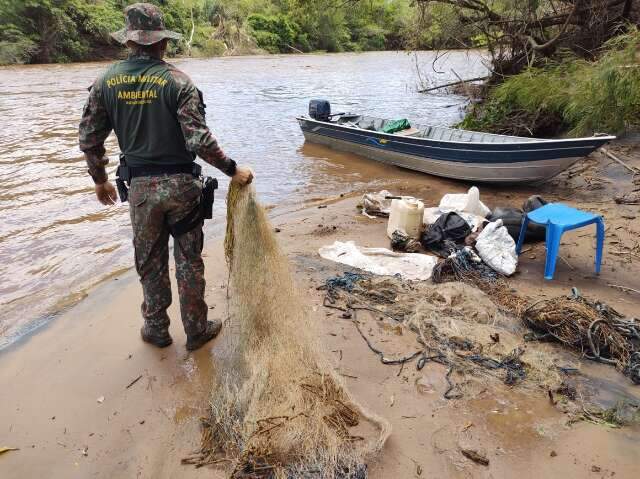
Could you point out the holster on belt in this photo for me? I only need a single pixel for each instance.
(209, 186)
(202, 211)
(123, 178)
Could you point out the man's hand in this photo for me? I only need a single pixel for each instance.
(106, 193)
(243, 176)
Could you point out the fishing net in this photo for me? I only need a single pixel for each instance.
(456, 325)
(279, 410)
(593, 328)
(464, 266)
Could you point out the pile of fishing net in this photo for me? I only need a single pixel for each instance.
(456, 325)
(278, 410)
(464, 265)
(593, 328)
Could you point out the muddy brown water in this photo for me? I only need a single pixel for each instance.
(56, 241)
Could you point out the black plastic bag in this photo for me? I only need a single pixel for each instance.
(448, 230)
(511, 219)
(535, 232)
(533, 203)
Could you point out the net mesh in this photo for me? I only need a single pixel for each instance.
(279, 410)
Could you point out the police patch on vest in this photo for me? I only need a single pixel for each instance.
(136, 97)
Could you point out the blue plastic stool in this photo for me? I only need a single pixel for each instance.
(558, 218)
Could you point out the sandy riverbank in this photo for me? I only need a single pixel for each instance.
(52, 384)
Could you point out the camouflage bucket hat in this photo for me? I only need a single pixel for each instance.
(144, 25)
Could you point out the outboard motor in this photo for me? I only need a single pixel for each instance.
(320, 110)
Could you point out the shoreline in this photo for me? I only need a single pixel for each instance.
(70, 301)
(75, 407)
(248, 55)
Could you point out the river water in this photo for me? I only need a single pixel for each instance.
(56, 240)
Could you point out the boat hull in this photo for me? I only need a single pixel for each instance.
(501, 163)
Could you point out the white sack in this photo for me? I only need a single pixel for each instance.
(467, 202)
(497, 248)
(412, 266)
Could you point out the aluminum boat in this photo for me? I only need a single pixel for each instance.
(449, 152)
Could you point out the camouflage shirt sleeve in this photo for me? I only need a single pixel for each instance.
(94, 129)
(191, 116)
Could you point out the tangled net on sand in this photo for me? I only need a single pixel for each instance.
(457, 326)
(596, 330)
(465, 266)
(280, 411)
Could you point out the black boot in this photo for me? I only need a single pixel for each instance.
(210, 332)
(157, 339)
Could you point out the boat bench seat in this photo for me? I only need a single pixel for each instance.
(409, 132)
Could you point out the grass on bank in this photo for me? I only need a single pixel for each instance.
(569, 97)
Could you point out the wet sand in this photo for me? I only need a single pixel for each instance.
(67, 405)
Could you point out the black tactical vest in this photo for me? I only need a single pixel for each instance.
(141, 98)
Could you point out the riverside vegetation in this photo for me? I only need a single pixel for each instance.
(567, 95)
(54, 31)
(557, 67)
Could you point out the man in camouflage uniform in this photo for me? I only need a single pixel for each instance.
(158, 116)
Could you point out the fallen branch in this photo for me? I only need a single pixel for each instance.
(623, 288)
(458, 82)
(553, 40)
(134, 381)
(607, 153)
(295, 49)
(566, 262)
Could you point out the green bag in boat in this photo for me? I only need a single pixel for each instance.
(393, 126)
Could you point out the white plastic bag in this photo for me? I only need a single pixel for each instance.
(412, 266)
(465, 202)
(497, 248)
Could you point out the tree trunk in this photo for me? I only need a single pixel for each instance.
(193, 28)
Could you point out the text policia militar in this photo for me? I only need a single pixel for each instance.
(129, 79)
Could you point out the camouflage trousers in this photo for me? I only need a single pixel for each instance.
(155, 203)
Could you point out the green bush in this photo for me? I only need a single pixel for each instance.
(370, 37)
(210, 48)
(267, 41)
(274, 33)
(15, 47)
(16, 52)
(303, 43)
(573, 96)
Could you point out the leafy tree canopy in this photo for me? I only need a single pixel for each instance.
(46, 31)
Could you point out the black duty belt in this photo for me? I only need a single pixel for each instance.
(159, 170)
(126, 173)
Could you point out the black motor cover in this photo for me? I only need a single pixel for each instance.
(511, 219)
(320, 110)
(535, 232)
(533, 203)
